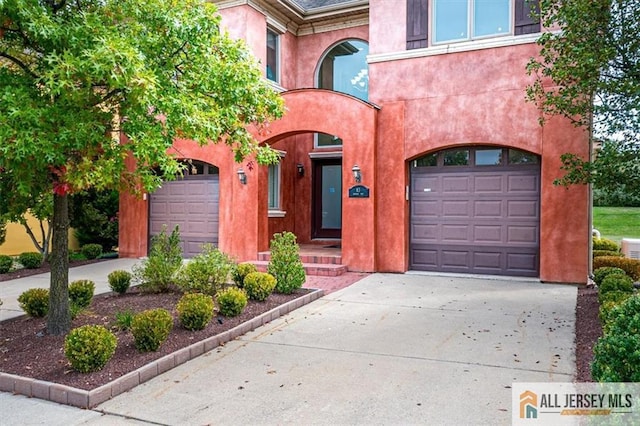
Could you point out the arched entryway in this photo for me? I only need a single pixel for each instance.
(476, 209)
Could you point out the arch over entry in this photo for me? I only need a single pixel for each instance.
(354, 121)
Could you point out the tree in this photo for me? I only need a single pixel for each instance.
(40, 206)
(589, 72)
(75, 76)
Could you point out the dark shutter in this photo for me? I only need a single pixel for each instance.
(416, 24)
(524, 22)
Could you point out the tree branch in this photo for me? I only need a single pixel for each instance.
(19, 63)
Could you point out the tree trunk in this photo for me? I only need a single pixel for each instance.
(59, 316)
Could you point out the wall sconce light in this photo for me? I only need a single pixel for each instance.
(356, 173)
(242, 176)
(300, 169)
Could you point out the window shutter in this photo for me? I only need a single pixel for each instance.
(416, 24)
(524, 22)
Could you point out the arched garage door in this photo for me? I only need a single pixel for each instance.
(476, 210)
(192, 203)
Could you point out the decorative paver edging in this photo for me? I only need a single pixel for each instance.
(68, 395)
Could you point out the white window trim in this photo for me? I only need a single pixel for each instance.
(470, 27)
(276, 211)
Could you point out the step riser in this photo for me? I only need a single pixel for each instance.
(315, 269)
(326, 260)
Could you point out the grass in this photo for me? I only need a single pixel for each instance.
(616, 223)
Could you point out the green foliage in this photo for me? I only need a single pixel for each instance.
(605, 244)
(630, 266)
(615, 296)
(285, 264)
(599, 253)
(151, 328)
(600, 273)
(81, 292)
(6, 262)
(206, 272)
(91, 251)
(157, 272)
(71, 69)
(3, 231)
(195, 310)
(241, 271)
(124, 320)
(30, 260)
(617, 353)
(119, 281)
(94, 217)
(89, 348)
(232, 301)
(35, 302)
(259, 285)
(616, 282)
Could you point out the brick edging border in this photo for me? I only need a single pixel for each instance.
(81, 398)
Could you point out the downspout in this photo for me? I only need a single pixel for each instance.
(590, 200)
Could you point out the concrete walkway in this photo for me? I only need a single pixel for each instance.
(389, 349)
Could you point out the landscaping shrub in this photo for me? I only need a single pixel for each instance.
(285, 264)
(605, 244)
(241, 271)
(93, 215)
(599, 253)
(232, 301)
(124, 320)
(81, 292)
(151, 328)
(615, 296)
(91, 251)
(617, 353)
(30, 260)
(259, 285)
(206, 272)
(119, 281)
(89, 348)
(6, 262)
(157, 272)
(600, 273)
(616, 282)
(630, 266)
(35, 302)
(195, 310)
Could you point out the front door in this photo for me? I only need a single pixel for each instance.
(327, 198)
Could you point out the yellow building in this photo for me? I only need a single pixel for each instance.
(18, 241)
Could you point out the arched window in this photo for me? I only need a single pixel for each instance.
(344, 69)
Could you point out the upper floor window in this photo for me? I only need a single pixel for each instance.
(463, 20)
(344, 69)
(273, 48)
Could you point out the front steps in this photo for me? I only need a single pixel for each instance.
(318, 265)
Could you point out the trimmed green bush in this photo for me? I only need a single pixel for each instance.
(285, 264)
(81, 292)
(600, 273)
(206, 272)
(616, 282)
(630, 266)
(232, 301)
(195, 310)
(157, 272)
(617, 353)
(6, 262)
(35, 302)
(259, 285)
(89, 348)
(31, 259)
(241, 271)
(615, 296)
(605, 244)
(151, 328)
(119, 281)
(600, 253)
(91, 251)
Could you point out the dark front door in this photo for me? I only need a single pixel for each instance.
(327, 198)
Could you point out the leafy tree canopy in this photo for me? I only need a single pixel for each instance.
(75, 75)
(590, 68)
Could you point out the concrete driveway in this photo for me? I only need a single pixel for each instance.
(389, 349)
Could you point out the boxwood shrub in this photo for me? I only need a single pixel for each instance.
(89, 348)
(630, 266)
(241, 271)
(35, 302)
(151, 328)
(91, 251)
(231, 301)
(119, 281)
(259, 285)
(195, 310)
(81, 292)
(30, 259)
(600, 273)
(6, 262)
(605, 244)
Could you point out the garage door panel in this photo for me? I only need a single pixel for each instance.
(476, 220)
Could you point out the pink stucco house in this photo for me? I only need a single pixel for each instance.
(407, 143)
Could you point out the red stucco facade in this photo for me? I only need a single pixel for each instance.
(420, 102)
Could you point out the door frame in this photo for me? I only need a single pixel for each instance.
(317, 231)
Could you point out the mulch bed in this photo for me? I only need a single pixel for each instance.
(588, 330)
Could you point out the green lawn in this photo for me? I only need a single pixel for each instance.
(617, 223)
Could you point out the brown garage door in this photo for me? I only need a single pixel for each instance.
(190, 203)
(476, 210)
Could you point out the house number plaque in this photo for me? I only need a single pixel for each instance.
(359, 191)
